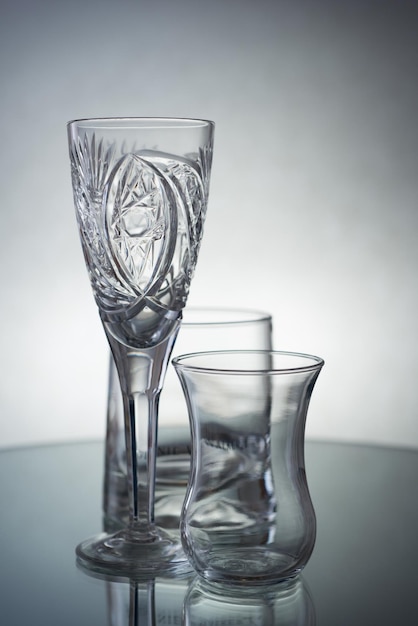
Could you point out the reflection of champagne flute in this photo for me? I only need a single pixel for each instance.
(146, 603)
(143, 601)
(137, 609)
(140, 191)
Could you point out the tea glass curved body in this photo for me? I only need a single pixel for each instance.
(140, 190)
(248, 516)
(202, 328)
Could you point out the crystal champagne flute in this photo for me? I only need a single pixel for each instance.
(140, 190)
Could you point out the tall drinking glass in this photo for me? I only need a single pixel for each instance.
(202, 328)
(140, 191)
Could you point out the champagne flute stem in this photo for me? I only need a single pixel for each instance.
(141, 443)
(141, 374)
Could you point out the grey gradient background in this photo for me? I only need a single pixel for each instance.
(313, 210)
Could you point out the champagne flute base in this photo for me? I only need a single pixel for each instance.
(133, 553)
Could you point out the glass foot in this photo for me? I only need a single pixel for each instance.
(134, 553)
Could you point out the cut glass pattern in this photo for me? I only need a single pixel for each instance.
(141, 217)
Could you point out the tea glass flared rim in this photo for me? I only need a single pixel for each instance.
(185, 362)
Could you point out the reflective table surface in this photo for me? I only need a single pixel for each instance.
(363, 570)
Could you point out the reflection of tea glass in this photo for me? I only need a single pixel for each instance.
(287, 604)
(248, 517)
(201, 329)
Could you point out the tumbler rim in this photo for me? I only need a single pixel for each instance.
(314, 363)
(248, 316)
(161, 122)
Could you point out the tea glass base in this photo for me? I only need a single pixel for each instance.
(133, 554)
(249, 566)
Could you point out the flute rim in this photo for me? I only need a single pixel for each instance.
(189, 122)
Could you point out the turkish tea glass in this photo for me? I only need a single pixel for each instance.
(202, 328)
(140, 190)
(248, 516)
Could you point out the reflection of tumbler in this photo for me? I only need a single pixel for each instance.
(201, 329)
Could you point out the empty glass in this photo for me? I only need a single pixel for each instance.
(140, 188)
(202, 328)
(248, 516)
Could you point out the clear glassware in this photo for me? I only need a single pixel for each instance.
(286, 604)
(248, 516)
(142, 601)
(202, 328)
(140, 191)
(146, 602)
